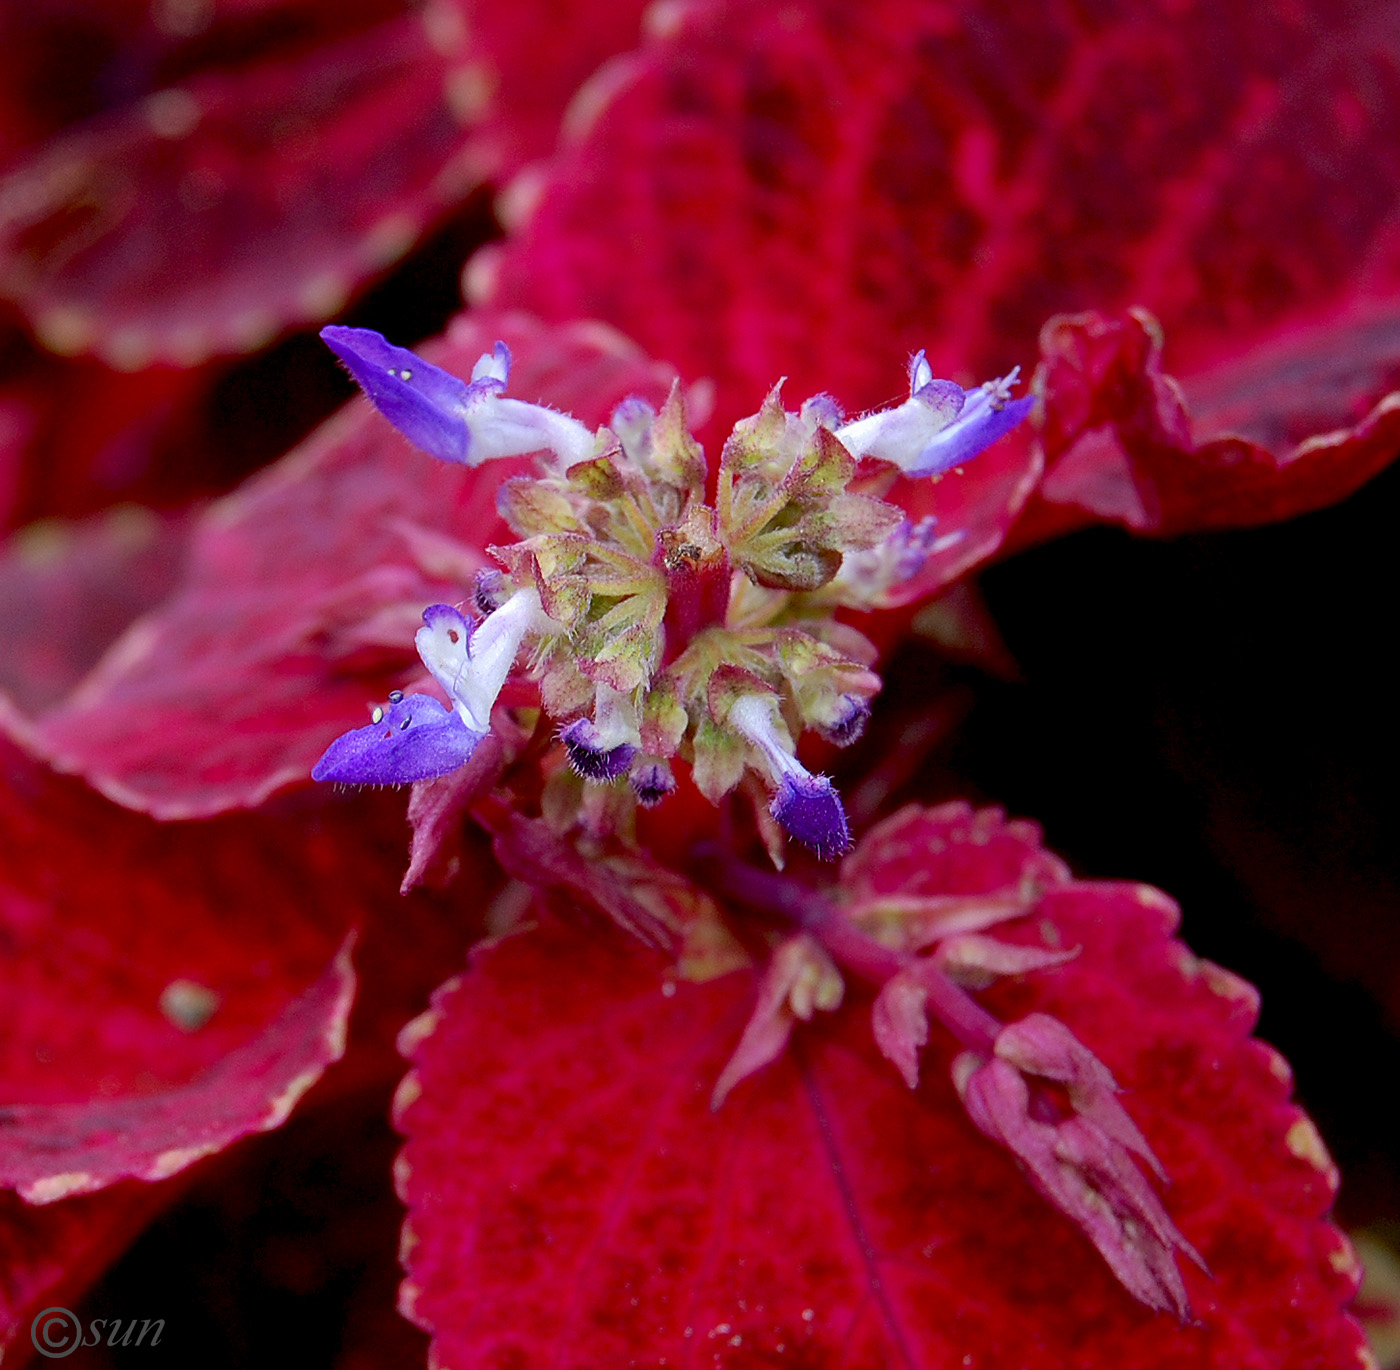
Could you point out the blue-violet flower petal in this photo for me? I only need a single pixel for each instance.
(425, 403)
(810, 809)
(413, 739)
(590, 758)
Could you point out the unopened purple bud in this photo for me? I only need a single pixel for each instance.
(490, 590)
(631, 421)
(823, 410)
(652, 781)
(590, 758)
(846, 722)
(413, 739)
(810, 809)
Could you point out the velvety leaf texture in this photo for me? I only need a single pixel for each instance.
(210, 214)
(74, 434)
(52, 1151)
(103, 912)
(69, 590)
(818, 189)
(135, 958)
(575, 1202)
(1119, 444)
(304, 590)
(214, 212)
(165, 992)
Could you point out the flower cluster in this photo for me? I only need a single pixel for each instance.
(663, 622)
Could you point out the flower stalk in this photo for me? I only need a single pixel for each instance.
(1031, 1085)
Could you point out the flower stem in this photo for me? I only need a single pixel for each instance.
(812, 911)
(697, 590)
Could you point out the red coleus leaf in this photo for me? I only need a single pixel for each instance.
(52, 1151)
(133, 961)
(143, 965)
(574, 1200)
(303, 591)
(815, 190)
(131, 965)
(63, 62)
(1119, 444)
(976, 506)
(68, 591)
(215, 211)
(75, 434)
(164, 992)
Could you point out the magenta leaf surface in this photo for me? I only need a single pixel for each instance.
(69, 590)
(165, 992)
(574, 1201)
(215, 212)
(52, 1151)
(143, 966)
(817, 191)
(207, 216)
(304, 590)
(1120, 446)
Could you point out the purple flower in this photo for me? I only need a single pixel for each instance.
(590, 757)
(810, 809)
(472, 664)
(415, 738)
(807, 805)
(988, 414)
(447, 417)
(602, 749)
(939, 426)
